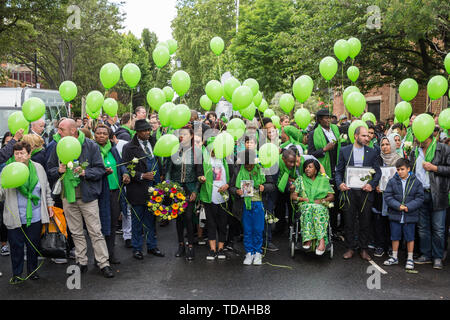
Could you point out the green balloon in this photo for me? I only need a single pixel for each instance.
(165, 113)
(328, 68)
(168, 91)
(166, 146)
(269, 155)
(423, 127)
(92, 114)
(408, 89)
(173, 46)
(109, 75)
(181, 82)
(302, 118)
(68, 91)
(437, 87)
(236, 127)
(351, 130)
(229, 87)
(131, 74)
(223, 145)
(14, 175)
(214, 90)
(217, 45)
(353, 73)
(369, 116)
(156, 98)
(269, 113)
(161, 56)
(447, 62)
(263, 106)
(341, 50)
(180, 116)
(444, 119)
(33, 109)
(354, 47)
(287, 102)
(17, 121)
(206, 102)
(405, 123)
(403, 111)
(110, 107)
(94, 100)
(303, 88)
(68, 149)
(162, 44)
(257, 99)
(242, 98)
(252, 84)
(276, 121)
(249, 112)
(347, 91)
(356, 103)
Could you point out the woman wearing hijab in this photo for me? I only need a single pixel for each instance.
(398, 144)
(389, 157)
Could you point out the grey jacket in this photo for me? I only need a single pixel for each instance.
(11, 216)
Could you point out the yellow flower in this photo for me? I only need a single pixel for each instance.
(161, 208)
(158, 199)
(175, 206)
(155, 193)
(157, 213)
(169, 218)
(171, 195)
(181, 210)
(179, 196)
(174, 215)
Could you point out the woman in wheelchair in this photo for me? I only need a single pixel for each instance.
(313, 195)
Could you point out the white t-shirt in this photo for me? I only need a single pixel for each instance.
(219, 180)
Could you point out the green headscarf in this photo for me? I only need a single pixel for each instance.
(294, 134)
(284, 175)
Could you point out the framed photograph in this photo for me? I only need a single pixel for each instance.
(356, 177)
(247, 188)
(386, 174)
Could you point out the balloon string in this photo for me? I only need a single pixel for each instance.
(218, 62)
(131, 102)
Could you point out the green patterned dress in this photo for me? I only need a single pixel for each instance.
(314, 218)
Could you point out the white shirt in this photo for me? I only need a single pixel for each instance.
(149, 146)
(358, 156)
(421, 173)
(120, 145)
(219, 180)
(329, 134)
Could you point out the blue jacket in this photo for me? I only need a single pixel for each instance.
(393, 195)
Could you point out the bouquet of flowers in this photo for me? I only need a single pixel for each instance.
(167, 200)
(270, 218)
(407, 147)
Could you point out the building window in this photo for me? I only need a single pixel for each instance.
(374, 107)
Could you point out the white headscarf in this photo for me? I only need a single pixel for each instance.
(390, 159)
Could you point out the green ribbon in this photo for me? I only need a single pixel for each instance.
(429, 156)
(254, 175)
(320, 142)
(27, 191)
(131, 132)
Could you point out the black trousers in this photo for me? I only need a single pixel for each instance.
(115, 213)
(283, 202)
(186, 219)
(357, 218)
(216, 221)
(3, 230)
(17, 242)
(382, 231)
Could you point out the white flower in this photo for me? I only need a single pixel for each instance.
(345, 137)
(408, 144)
(270, 221)
(305, 152)
(372, 171)
(151, 189)
(70, 165)
(395, 131)
(331, 205)
(135, 160)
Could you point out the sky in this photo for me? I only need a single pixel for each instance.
(156, 15)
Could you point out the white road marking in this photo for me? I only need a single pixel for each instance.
(377, 267)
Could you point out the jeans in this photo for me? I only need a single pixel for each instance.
(253, 223)
(142, 225)
(17, 242)
(431, 229)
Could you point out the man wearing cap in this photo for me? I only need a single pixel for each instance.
(147, 173)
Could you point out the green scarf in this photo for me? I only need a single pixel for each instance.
(27, 191)
(409, 135)
(429, 156)
(206, 188)
(320, 142)
(158, 134)
(284, 174)
(372, 142)
(36, 151)
(110, 161)
(316, 189)
(56, 137)
(131, 132)
(254, 175)
(105, 149)
(70, 182)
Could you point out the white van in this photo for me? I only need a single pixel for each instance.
(12, 99)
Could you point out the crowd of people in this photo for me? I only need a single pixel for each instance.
(230, 199)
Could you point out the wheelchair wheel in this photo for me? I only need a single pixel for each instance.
(331, 251)
(292, 243)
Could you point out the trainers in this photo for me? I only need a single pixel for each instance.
(409, 264)
(391, 261)
(229, 246)
(201, 242)
(59, 261)
(221, 255)
(119, 231)
(190, 253)
(181, 251)
(437, 264)
(379, 252)
(212, 255)
(257, 261)
(5, 250)
(248, 259)
(371, 246)
(422, 260)
(271, 247)
(72, 254)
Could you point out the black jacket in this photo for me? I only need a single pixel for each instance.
(123, 134)
(91, 183)
(439, 181)
(137, 190)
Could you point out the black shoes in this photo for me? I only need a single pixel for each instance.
(190, 254)
(128, 243)
(15, 280)
(138, 255)
(34, 276)
(83, 268)
(114, 260)
(155, 252)
(181, 251)
(107, 272)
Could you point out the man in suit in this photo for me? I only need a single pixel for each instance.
(359, 203)
(147, 173)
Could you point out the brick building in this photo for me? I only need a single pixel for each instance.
(17, 76)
